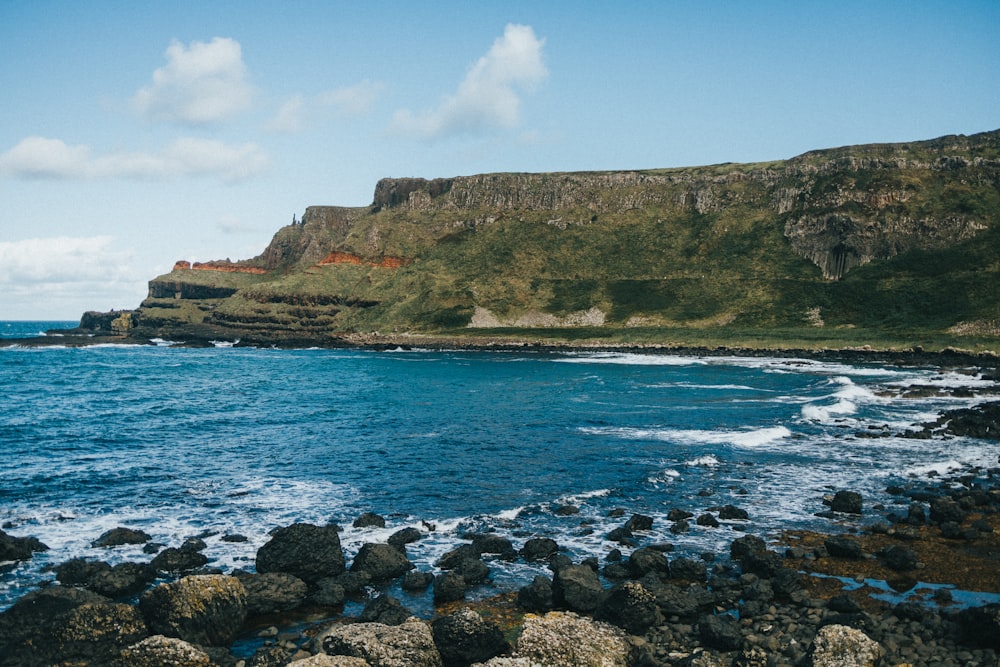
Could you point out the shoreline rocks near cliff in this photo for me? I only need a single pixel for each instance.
(796, 602)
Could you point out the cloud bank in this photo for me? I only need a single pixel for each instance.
(63, 259)
(490, 95)
(43, 157)
(201, 84)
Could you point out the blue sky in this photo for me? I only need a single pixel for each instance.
(136, 134)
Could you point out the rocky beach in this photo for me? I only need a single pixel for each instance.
(915, 582)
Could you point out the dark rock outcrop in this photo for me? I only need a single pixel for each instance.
(381, 562)
(464, 637)
(200, 609)
(306, 551)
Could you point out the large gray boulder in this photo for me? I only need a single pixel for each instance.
(577, 588)
(157, 651)
(306, 551)
(273, 592)
(465, 637)
(629, 606)
(410, 644)
(843, 646)
(563, 638)
(61, 625)
(382, 562)
(200, 609)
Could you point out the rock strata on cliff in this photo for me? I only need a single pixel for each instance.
(889, 235)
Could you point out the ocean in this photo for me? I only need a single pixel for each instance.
(227, 440)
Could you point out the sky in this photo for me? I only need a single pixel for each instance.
(135, 134)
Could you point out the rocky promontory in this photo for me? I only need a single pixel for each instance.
(852, 243)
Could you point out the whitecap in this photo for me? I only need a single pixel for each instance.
(740, 438)
(630, 359)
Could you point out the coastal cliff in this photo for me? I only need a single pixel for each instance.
(884, 236)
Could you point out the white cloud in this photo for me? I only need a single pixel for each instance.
(63, 259)
(355, 100)
(489, 95)
(200, 84)
(289, 116)
(41, 157)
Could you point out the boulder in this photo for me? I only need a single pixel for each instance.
(382, 562)
(464, 637)
(119, 536)
(201, 609)
(452, 559)
(157, 651)
(273, 592)
(742, 546)
(900, 558)
(369, 520)
(847, 502)
(271, 655)
(648, 560)
(673, 600)
(489, 543)
(539, 548)
(707, 520)
(720, 631)
(577, 588)
(843, 547)
(843, 646)
(537, 596)
(417, 581)
(79, 571)
(765, 564)
(404, 536)
(474, 571)
(564, 638)
(323, 660)
(410, 644)
(178, 560)
(944, 510)
(678, 514)
(62, 625)
(328, 592)
(732, 512)
(449, 587)
(629, 606)
(386, 610)
(639, 522)
(309, 552)
(18, 548)
(980, 626)
(122, 580)
(688, 568)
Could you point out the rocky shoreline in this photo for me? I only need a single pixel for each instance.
(808, 599)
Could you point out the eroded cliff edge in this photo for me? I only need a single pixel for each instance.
(886, 236)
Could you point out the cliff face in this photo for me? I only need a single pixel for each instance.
(757, 244)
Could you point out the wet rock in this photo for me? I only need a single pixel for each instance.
(273, 592)
(900, 558)
(473, 570)
(465, 637)
(765, 564)
(688, 568)
(629, 606)
(382, 562)
(843, 604)
(452, 559)
(732, 512)
(409, 644)
(178, 560)
(566, 510)
(18, 548)
(306, 551)
(747, 544)
(405, 536)
(62, 625)
(842, 646)
(323, 660)
(385, 609)
(843, 547)
(79, 571)
(157, 651)
(639, 522)
(539, 548)
(577, 588)
(201, 609)
(493, 544)
(119, 536)
(720, 632)
(981, 421)
(673, 600)
(707, 520)
(417, 581)
(679, 515)
(235, 538)
(980, 626)
(328, 592)
(122, 580)
(944, 510)
(648, 560)
(369, 520)
(270, 656)
(846, 502)
(537, 596)
(563, 638)
(449, 587)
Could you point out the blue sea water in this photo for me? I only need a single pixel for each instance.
(183, 442)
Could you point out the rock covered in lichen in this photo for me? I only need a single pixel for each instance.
(201, 609)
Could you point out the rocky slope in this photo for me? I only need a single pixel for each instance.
(886, 237)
